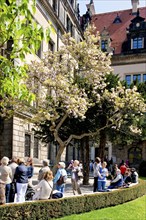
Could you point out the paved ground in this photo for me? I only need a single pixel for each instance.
(85, 189)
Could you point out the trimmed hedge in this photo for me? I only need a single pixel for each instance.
(47, 209)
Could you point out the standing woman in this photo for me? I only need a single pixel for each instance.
(21, 180)
(6, 177)
(96, 166)
(103, 173)
(75, 179)
(30, 170)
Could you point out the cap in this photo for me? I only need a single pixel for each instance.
(62, 164)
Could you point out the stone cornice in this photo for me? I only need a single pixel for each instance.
(128, 59)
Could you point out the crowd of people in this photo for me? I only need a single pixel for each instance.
(119, 176)
(16, 178)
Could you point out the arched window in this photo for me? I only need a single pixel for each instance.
(134, 155)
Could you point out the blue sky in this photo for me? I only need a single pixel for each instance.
(102, 6)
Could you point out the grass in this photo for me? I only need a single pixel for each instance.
(143, 178)
(133, 210)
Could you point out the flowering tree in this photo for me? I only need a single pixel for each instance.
(18, 31)
(71, 81)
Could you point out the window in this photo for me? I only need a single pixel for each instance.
(27, 145)
(144, 77)
(39, 51)
(137, 77)
(117, 20)
(104, 44)
(69, 26)
(137, 43)
(51, 45)
(54, 5)
(36, 147)
(128, 79)
(72, 2)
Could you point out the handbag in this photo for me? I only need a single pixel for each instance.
(61, 180)
(57, 194)
(80, 174)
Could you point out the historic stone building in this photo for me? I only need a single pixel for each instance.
(123, 35)
(16, 135)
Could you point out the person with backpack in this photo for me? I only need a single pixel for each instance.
(60, 177)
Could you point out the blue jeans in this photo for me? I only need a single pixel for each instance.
(101, 185)
(7, 193)
(117, 184)
(60, 187)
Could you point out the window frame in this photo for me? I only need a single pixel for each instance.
(137, 43)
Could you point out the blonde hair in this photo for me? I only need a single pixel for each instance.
(76, 162)
(48, 175)
(104, 163)
(21, 160)
(5, 160)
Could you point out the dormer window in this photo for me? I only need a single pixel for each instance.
(137, 43)
(104, 45)
(117, 20)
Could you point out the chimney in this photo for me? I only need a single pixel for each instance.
(135, 4)
(91, 8)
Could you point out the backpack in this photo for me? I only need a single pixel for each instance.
(61, 180)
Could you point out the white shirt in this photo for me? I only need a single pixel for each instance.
(13, 166)
(96, 167)
(5, 174)
(43, 189)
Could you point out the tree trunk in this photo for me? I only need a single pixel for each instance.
(84, 149)
(102, 144)
(86, 162)
(58, 156)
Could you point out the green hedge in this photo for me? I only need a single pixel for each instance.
(44, 210)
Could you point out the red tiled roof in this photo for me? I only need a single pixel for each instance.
(117, 31)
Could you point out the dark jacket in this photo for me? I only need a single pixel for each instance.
(21, 174)
(30, 170)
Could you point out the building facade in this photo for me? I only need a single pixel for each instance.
(123, 35)
(17, 137)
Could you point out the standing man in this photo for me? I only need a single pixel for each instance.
(44, 169)
(96, 167)
(60, 177)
